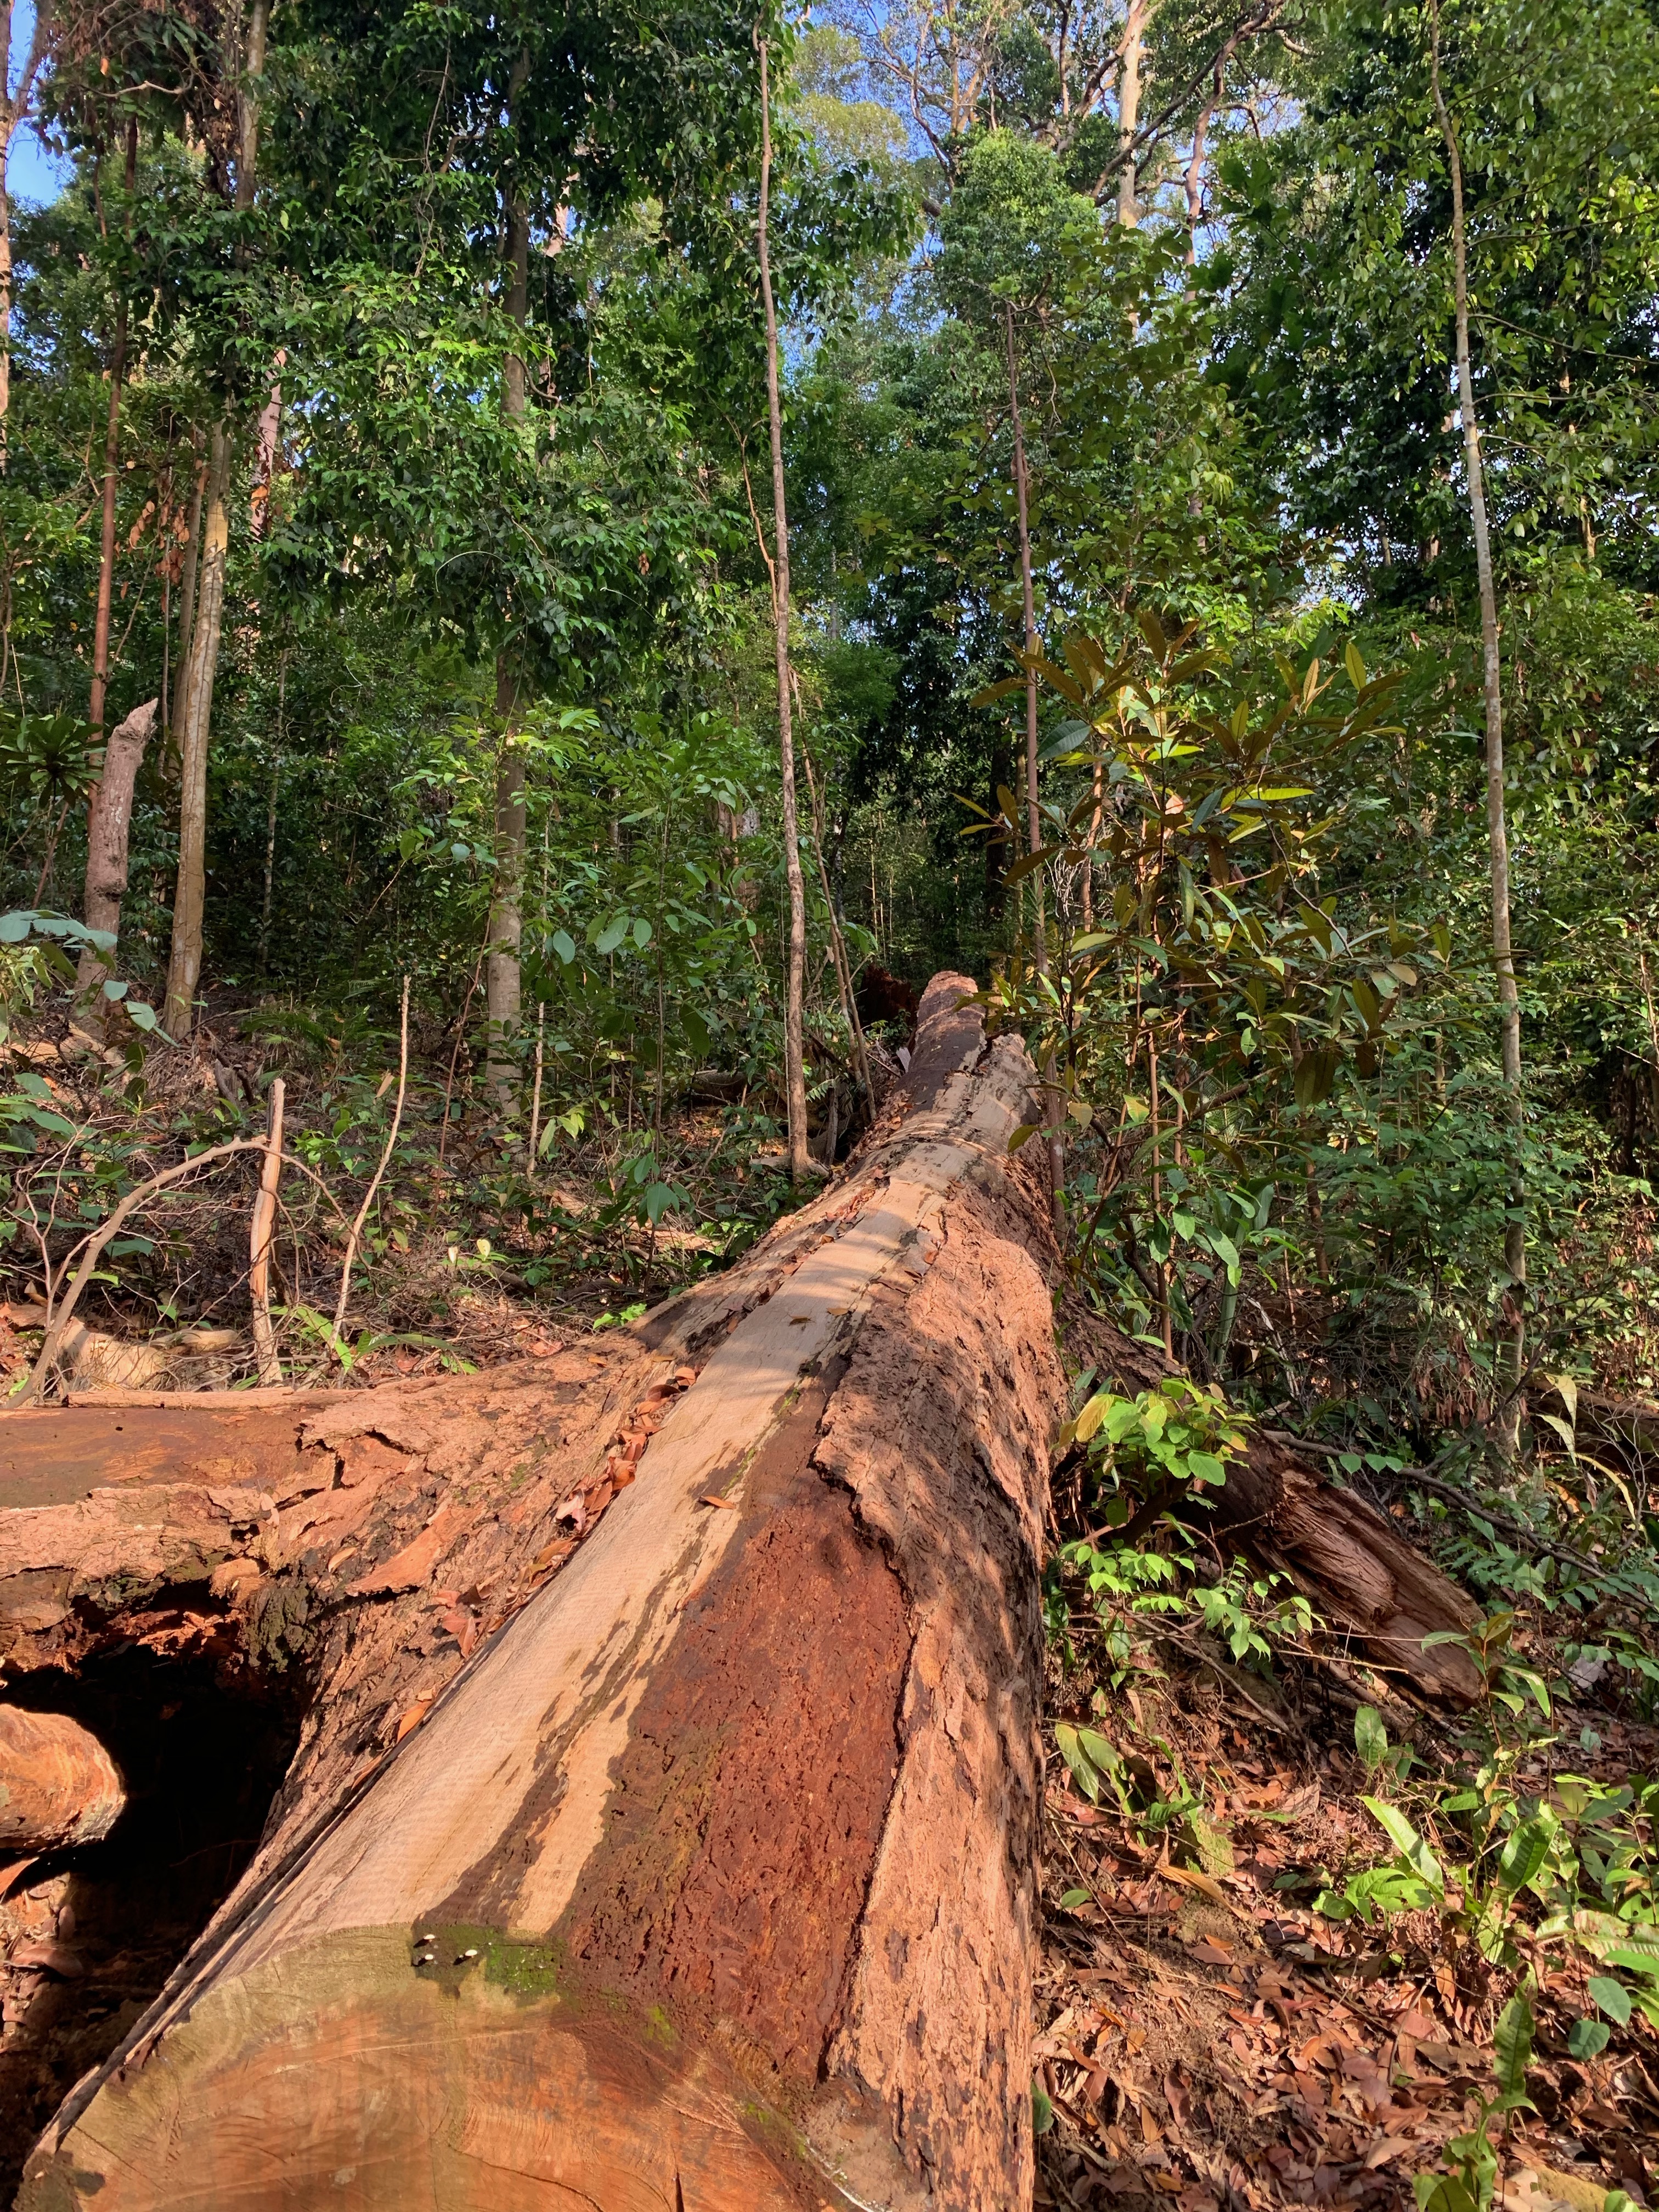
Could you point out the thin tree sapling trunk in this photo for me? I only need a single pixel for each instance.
(1512, 1340)
(201, 670)
(172, 700)
(1033, 805)
(13, 106)
(503, 965)
(793, 1051)
(112, 470)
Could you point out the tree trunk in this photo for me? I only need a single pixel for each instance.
(663, 1827)
(201, 671)
(503, 971)
(109, 822)
(112, 465)
(1512, 1340)
(13, 106)
(1033, 803)
(794, 1058)
(187, 581)
(201, 667)
(1128, 106)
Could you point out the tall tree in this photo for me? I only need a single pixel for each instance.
(202, 666)
(14, 102)
(795, 982)
(1498, 837)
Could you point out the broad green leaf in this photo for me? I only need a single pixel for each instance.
(1524, 1853)
(1611, 1998)
(1588, 2038)
(1512, 2044)
(1370, 1738)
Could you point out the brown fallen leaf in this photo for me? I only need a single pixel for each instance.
(1190, 1878)
(730, 1503)
(412, 1719)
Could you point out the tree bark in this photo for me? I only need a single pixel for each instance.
(664, 1828)
(109, 823)
(112, 467)
(794, 1058)
(1512, 1340)
(187, 581)
(201, 667)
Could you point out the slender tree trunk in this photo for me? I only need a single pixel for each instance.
(262, 1237)
(1128, 105)
(109, 822)
(184, 959)
(270, 817)
(503, 972)
(1033, 809)
(172, 702)
(201, 670)
(112, 467)
(13, 106)
(1512, 1338)
(793, 1051)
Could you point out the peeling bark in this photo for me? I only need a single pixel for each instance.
(109, 822)
(661, 1845)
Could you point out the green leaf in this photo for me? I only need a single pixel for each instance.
(1441, 2192)
(1611, 1998)
(611, 935)
(1410, 1844)
(1524, 1853)
(1073, 1898)
(1042, 2110)
(1083, 1768)
(1370, 1738)
(1588, 2038)
(1512, 2043)
(565, 945)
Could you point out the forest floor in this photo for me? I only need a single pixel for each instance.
(1207, 2040)
(1204, 2035)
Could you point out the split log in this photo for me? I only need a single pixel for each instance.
(663, 1827)
(709, 1880)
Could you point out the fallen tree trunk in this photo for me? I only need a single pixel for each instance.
(708, 1882)
(663, 1824)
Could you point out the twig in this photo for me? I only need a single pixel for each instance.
(385, 1160)
(260, 1239)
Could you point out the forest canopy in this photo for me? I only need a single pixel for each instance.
(1215, 499)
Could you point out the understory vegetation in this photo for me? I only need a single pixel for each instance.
(1208, 577)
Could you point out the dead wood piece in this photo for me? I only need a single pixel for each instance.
(57, 1783)
(1361, 1576)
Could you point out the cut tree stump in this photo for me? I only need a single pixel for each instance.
(664, 1824)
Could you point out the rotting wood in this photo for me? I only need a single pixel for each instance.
(635, 1851)
(261, 1235)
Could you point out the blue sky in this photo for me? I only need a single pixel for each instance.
(31, 172)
